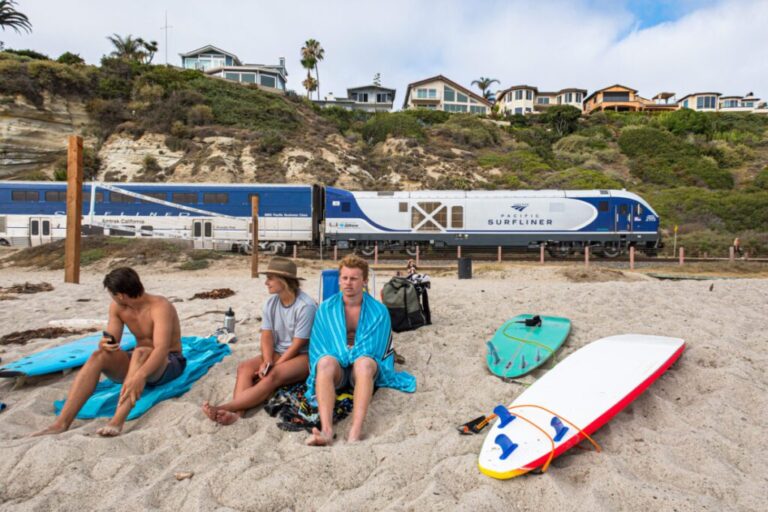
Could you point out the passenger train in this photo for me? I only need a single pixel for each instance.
(219, 215)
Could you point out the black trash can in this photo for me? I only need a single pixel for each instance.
(465, 268)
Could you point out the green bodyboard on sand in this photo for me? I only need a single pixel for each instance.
(517, 349)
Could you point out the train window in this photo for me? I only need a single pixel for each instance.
(198, 230)
(147, 230)
(35, 227)
(185, 197)
(639, 209)
(457, 216)
(345, 206)
(56, 196)
(208, 229)
(403, 207)
(25, 195)
(623, 210)
(602, 206)
(215, 198)
(156, 195)
(117, 197)
(46, 228)
(87, 197)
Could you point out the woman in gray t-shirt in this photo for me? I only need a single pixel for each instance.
(287, 321)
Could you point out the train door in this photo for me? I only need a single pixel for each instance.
(202, 233)
(39, 231)
(622, 216)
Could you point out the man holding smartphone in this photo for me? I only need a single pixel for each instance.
(157, 358)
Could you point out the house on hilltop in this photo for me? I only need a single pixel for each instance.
(368, 98)
(216, 62)
(441, 93)
(527, 99)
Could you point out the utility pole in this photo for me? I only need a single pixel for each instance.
(165, 28)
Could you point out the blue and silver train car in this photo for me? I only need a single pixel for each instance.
(566, 221)
(211, 215)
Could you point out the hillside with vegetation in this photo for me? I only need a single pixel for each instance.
(705, 172)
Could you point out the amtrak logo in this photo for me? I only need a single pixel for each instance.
(519, 206)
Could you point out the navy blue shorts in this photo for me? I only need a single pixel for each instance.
(176, 365)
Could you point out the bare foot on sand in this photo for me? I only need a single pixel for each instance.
(209, 411)
(354, 436)
(53, 429)
(225, 417)
(319, 438)
(110, 430)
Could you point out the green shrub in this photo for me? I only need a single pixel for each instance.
(199, 115)
(91, 165)
(70, 58)
(342, 118)
(271, 143)
(91, 256)
(398, 124)
(563, 119)
(684, 121)
(469, 130)
(428, 116)
(761, 179)
(580, 179)
(31, 54)
(194, 265)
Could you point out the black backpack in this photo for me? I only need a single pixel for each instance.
(402, 301)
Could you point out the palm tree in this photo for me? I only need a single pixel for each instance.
(149, 50)
(11, 18)
(308, 63)
(127, 48)
(484, 84)
(314, 52)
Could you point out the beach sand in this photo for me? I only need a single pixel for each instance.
(693, 441)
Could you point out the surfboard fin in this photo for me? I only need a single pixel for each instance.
(560, 429)
(504, 415)
(506, 445)
(494, 353)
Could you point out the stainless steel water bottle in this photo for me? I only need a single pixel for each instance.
(229, 320)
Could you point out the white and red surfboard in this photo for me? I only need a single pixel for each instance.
(578, 396)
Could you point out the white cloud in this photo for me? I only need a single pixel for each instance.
(550, 44)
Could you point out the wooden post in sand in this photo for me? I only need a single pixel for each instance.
(376, 253)
(335, 252)
(295, 250)
(498, 255)
(255, 235)
(541, 254)
(74, 209)
(586, 257)
(682, 255)
(458, 251)
(417, 255)
(632, 257)
(731, 254)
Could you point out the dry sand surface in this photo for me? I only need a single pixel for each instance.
(693, 441)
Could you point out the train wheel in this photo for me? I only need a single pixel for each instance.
(367, 250)
(411, 249)
(275, 248)
(610, 251)
(559, 251)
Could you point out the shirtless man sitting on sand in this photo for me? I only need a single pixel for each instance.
(156, 359)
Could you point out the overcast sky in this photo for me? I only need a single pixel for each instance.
(681, 46)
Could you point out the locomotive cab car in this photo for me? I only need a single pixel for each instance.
(564, 221)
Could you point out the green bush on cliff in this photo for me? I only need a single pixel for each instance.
(469, 130)
(580, 179)
(397, 124)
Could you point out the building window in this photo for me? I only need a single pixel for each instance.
(267, 81)
(361, 97)
(56, 196)
(527, 110)
(519, 95)
(454, 108)
(215, 198)
(529, 95)
(705, 102)
(615, 96)
(569, 97)
(449, 94)
(382, 98)
(185, 197)
(477, 110)
(579, 97)
(730, 103)
(424, 94)
(462, 98)
(235, 77)
(25, 195)
(248, 78)
(519, 110)
(457, 216)
(685, 104)
(542, 101)
(747, 104)
(117, 197)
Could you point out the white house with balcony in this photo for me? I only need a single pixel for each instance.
(701, 101)
(527, 99)
(441, 93)
(216, 62)
(367, 98)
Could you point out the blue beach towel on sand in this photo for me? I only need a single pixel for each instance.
(201, 354)
(373, 339)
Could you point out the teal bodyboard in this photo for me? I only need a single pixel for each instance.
(517, 349)
(200, 353)
(64, 357)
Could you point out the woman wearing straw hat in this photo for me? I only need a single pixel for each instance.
(286, 323)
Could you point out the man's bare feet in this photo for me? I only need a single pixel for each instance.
(319, 438)
(225, 417)
(55, 428)
(354, 436)
(209, 411)
(109, 430)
